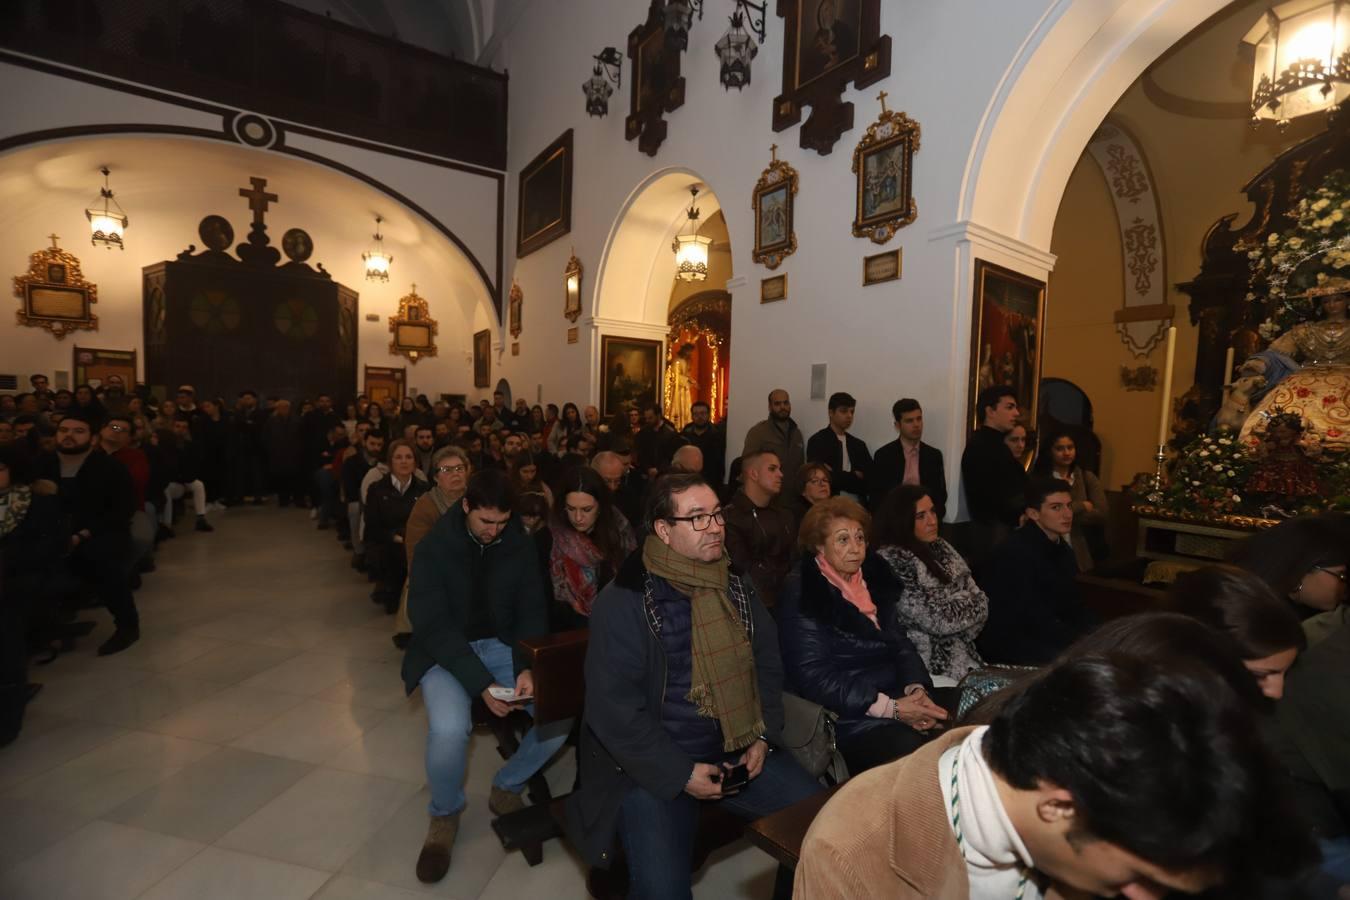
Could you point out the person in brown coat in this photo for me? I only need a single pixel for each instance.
(1114, 773)
(450, 470)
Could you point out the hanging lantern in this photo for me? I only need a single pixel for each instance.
(737, 48)
(106, 222)
(691, 248)
(679, 19)
(1302, 60)
(608, 68)
(376, 259)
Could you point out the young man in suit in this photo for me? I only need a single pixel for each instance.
(908, 460)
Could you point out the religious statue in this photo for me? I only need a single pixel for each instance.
(1284, 472)
(685, 387)
(1305, 371)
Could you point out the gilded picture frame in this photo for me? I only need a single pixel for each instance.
(882, 267)
(413, 329)
(773, 289)
(572, 289)
(1006, 340)
(482, 358)
(630, 373)
(773, 201)
(54, 295)
(883, 163)
(515, 310)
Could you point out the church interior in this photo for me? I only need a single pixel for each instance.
(246, 238)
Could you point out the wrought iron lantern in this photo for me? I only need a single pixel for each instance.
(376, 259)
(608, 68)
(737, 47)
(691, 248)
(106, 222)
(1302, 60)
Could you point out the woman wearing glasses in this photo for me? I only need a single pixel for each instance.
(843, 646)
(814, 477)
(591, 537)
(1304, 560)
(450, 476)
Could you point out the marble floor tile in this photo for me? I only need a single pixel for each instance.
(222, 717)
(101, 861)
(343, 887)
(562, 875)
(233, 663)
(308, 673)
(143, 702)
(204, 800)
(321, 820)
(48, 741)
(168, 650)
(312, 731)
(395, 748)
(217, 874)
(27, 827)
(369, 683)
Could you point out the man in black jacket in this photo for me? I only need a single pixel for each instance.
(1035, 611)
(369, 454)
(476, 593)
(184, 458)
(995, 481)
(908, 460)
(761, 538)
(847, 456)
(678, 623)
(711, 439)
(97, 498)
(655, 443)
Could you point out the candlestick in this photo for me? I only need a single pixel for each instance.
(1228, 367)
(1163, 416)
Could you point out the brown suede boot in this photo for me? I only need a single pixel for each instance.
(502, 802)
(434, 860)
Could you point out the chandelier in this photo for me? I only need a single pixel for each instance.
(691, 248)
(376, 259)
(108, 222)
(1302, 60)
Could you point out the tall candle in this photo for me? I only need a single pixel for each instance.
(1163, 417)
(1228, 367)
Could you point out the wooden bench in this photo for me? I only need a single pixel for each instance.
(558, 663)
(781, 834)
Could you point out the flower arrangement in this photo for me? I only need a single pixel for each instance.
(1290, 262)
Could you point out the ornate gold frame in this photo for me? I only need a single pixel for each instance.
(515, 310)
(53, 272)
(890, 129)
(773, 178)
(413, 312)
(571, 306)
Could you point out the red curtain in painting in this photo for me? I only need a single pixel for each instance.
(708, 365)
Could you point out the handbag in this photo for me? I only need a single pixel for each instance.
(808, 734)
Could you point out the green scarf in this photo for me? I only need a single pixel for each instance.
(723, 676)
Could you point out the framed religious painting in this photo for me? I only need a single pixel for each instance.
(775, 194)
(482, 361)
(630, 373)
(883, 163)
(1006, 331)
(413, 329)
(53, 293)
(826, 45)
(544, 197)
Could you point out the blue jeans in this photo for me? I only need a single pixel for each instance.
(658, 835)
(1336, 857)
(450, 725)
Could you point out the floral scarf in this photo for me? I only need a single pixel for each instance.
(575, 565)
(14, 507)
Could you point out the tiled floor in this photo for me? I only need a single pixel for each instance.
(256, 743)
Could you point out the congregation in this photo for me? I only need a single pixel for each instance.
(819, 574)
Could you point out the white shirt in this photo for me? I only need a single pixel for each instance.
(995, 856)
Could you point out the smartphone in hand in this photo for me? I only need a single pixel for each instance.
(734, 778)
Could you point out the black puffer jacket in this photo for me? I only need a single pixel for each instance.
(387, 510)
(833, 654)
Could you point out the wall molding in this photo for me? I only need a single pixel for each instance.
(974, 233)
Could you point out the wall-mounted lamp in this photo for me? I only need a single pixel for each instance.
(608, 68)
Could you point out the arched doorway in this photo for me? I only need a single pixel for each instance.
(638, 297)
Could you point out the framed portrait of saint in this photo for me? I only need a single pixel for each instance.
(544, 197)
(1005, 344)
(774, 197)
(482, 360)
(630, 373)
(884, 165)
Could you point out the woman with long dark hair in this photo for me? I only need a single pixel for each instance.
(565, 429)
(591, 538)
(1060, 460)
(942, 609)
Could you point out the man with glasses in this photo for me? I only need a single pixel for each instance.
(762, 536)
(683, 698)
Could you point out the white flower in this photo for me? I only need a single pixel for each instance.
(1273, 239)
(1204, 453)
(1237, 499)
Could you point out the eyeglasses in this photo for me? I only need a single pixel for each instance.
(1340, 576)
(700, 522)
(818, 481)
(114, 427)
(451, 470)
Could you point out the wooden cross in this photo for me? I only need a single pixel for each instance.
(53, 238)
(258, 198)
(882, 97)
(773, 151)
(414, 290)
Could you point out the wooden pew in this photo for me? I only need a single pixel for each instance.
(781, 835)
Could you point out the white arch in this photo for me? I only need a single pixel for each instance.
(1072, 69)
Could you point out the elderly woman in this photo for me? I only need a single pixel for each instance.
(843, 644)
(814, 477)
(942, 609)
(591, 537)
(450, 477)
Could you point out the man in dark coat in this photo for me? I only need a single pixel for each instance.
(1035, 611)
(97, 499)
(650, 756)
(846, 455)
(247, 450)
(655, 443)
(908, 460)
(995, 482)
(779, 433)
(476, 592)
(761, 538)
(369, 454)
(315, 427)
(711, 439)
(284, 453)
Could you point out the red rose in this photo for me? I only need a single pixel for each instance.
(1330, 399)
(1302, 393)
(1333, 432)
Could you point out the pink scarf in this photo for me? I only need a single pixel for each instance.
(853, 587)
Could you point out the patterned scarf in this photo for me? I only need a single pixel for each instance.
(723, 677)
(443, 500)
(14, 508)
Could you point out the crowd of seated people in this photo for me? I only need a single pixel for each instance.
(706, 602)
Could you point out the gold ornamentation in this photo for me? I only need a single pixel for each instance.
(1246, 523)
(883, 162)
(53, 293)
(772, 202)
(516, 310)
(572, 289)
(413, 329)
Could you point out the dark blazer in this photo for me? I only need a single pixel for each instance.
(888, 470)
(995, 482)
(624, 743)
(104, 498)
(1035, 611)
(833, 654)
(451, 574)
(824, 447)
(387, 510)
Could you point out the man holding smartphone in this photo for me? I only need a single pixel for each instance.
(475, 591)
(683, 698)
